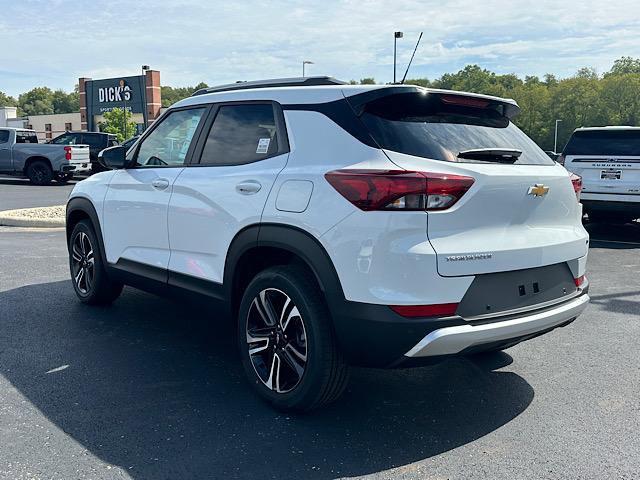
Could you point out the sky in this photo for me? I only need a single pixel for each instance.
(54, 42)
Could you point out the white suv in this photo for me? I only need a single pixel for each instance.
(608, 160)
(386, 225)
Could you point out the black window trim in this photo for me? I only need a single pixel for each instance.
(281, 133)
(196, 137)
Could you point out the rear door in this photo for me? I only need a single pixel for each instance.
(608, 160)
(242, 149)
(521, 211)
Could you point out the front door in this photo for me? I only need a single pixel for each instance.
(135, 207)
(241, 151)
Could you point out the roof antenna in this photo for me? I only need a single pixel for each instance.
(412, 55)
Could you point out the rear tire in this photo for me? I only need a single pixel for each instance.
(288, 348)
(89, 277)
(39, 172)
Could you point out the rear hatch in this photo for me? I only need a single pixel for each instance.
(608, 160)
(521, 211)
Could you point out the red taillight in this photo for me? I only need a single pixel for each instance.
(67, 153)
(580, 280)
(399, 189)
(415, 311)
(576, 181)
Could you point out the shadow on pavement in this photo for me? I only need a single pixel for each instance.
(157, 388)
(612, 236)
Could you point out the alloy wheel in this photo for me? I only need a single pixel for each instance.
(83, 263)
(277, 340)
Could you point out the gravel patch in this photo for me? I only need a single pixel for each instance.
(43, 217)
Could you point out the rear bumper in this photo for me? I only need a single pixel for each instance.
(375, 336)
(73, 167)
(462, 338)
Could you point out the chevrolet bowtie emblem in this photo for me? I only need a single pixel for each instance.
(538, 190)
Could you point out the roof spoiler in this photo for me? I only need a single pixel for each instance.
(508, 107)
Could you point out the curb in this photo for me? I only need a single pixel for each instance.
(16, 218)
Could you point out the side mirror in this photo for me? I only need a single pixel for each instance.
(113, 157)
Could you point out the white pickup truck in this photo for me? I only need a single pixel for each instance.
(608, 160)
(22, 155)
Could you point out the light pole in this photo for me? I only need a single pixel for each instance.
(305, 62)
(555, 138)
(396, 36)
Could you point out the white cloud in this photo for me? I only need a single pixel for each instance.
(54, 43)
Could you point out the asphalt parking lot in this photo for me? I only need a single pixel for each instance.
(150, 388)
(19, 193)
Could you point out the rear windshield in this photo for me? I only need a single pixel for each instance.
(604, 142)
(424, 125)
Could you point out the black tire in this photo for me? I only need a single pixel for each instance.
(324, 372)
(39, 172)
(63, 178)
(88, 274)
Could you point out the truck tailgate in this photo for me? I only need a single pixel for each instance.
(79, 154)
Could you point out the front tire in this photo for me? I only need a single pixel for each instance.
(39, 173)
(88, 273)
(288, 348)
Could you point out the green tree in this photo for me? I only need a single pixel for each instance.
(64, 102)
(422, 82)
(621, 99)
(37, 101)
(171, 95)
(7, 100)
(118, 121)
(624, 65)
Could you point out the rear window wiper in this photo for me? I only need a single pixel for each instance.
(495, 155)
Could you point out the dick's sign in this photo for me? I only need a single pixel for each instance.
(114, 94)
(124, 92)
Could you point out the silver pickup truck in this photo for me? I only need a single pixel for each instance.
(22, 155)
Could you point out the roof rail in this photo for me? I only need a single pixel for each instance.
(274, 82)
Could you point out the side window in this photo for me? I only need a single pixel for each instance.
(169, 142)
(65, 140)
(4, 136)
(241, 134)
(94, 141)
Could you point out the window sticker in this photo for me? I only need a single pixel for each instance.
(263, 145)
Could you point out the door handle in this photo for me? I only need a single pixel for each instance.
(160, 183)
(249, 187)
